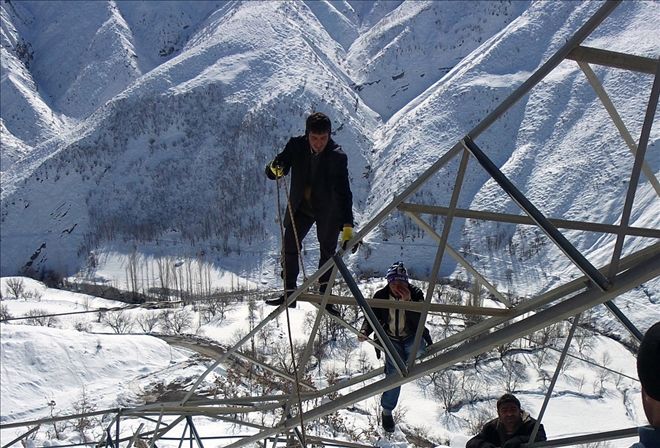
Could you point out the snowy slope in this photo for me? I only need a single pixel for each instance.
(557, 144)
(41, 365)
(200, 113)
(99, 363)
(143, 130)
(175, 160)
(27, 119)
(417, 44)
(63, 60)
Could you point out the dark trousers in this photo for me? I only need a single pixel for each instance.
(327, 236)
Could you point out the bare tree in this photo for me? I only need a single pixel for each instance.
(477, 418)
(164, 275)
(176, 322)
(120, 322)
(472, 386)
(15, 287)
(513, 374)
(84, 423)
(82, 326)
(147, 321)
(583, 340)
(32, 295)
(40, 318)
(4, 312)
(217, 306)
(363, 361)
(604, 375)
(447, 387)
(58, 427)
(132, 273)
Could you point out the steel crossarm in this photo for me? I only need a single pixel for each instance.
(412, 209)
(413, 306)
(440, 253)
(608, 58)
(535, 214)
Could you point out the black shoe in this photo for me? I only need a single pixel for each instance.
(330, 308)
(388, 422)
(280, 300)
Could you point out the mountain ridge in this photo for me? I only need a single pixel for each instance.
(153, 159)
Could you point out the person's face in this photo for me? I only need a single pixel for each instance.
(399, 288)
(318, 141)
(509, 415)
(651, 409)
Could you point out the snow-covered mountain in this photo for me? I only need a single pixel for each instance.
(147, 124)
(139, 131)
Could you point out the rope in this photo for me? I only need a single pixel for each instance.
(293, 225)
(286, 307)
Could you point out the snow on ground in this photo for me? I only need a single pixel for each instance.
(40, 364)
(113, 267)
(43, 364)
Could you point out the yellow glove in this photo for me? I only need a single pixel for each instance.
(276, 169)
(346, 236)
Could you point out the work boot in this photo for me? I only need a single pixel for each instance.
(388, 422)
(330, 308)
(281, 299)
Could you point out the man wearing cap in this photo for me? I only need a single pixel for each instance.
(648, 371)
(510, 429)
(320, 193)
(400, 326)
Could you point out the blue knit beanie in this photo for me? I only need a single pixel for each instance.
(397, 272)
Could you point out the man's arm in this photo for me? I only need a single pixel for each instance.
(342, 189)
(281, 164)
(366, 328)
(365, 331)
(487, 437)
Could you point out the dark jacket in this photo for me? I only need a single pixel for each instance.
(331, 197)
(493, 434)
(412, 317)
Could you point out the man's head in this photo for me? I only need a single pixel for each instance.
(397, 279)
(648, 370)
(508, 412)
(318, 128)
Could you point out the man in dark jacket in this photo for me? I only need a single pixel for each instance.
(400, 326)
(510, 429)
(648, 371)
(320, 193)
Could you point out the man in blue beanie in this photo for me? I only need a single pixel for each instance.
(400, 326)
(648, 371)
